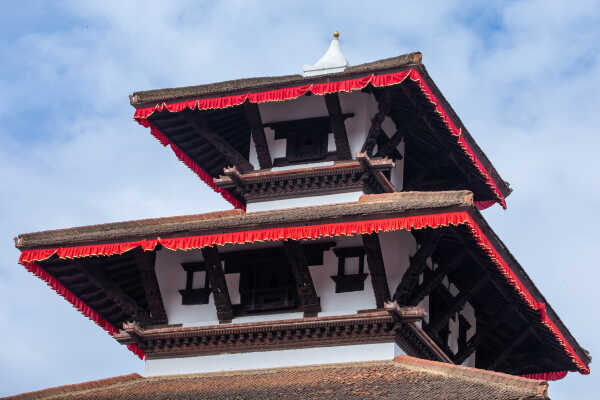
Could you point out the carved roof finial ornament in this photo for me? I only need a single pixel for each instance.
(332, 61)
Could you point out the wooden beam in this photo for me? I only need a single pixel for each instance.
(436, 277)
(384, 108)
(310, 303)
(468, 349)
(457, 304)
(384, 183)
(94, 273)
(342, 146)
(376, 268)
(229, 152)
(145, 264)
(258, 135)
(218, 284)
(508, 350)
(410, 279)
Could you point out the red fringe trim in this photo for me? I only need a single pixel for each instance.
(141, 115)
(546, 376)
(299, 233)
(77, 303)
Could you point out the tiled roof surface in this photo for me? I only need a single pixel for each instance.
(404, 378)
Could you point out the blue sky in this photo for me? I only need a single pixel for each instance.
(523, 76)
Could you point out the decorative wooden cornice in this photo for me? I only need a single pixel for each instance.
(369, 327)
(343, 176)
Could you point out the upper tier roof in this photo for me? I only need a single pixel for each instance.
(440, 144)
(403, 378)
(150, 97)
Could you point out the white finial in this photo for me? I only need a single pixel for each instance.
(332, 61)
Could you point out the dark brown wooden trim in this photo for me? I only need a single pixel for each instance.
(362, 328)
(376, 268)
(435, 278)
(456, 305)
(468, 349)
(377, 175)
(258, 135)
(218, 284)
(384, 108)
(227, 150)
(342, 146)
(418, 263)
(311, 304)
(144, 261)
(508, 350)
(93, 273)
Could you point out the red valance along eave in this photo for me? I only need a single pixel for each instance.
(29, 258)
(141, 115)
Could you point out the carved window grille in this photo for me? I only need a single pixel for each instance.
(349, 282)
(306, 140)
(191, 295)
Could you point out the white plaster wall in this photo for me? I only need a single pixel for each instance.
(304, 201)
(272, 359)
(364, 107)
(396, 248)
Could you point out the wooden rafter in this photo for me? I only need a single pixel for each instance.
(435, 278)
(342, 147)
(376, 268)
(418, 263)
(145, 264)
(94, 273)
(468, 349)
(456, 305)
(310, 303)
(218, 284)
(231, 154)
(258, 135)
(384, 108)
(504, 354)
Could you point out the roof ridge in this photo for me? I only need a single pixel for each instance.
(540, 387)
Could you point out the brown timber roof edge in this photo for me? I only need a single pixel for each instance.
(369, 205)
(404, 377)
(150, 97)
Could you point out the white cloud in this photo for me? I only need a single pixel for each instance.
(527, 91)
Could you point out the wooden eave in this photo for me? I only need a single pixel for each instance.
(429, 139)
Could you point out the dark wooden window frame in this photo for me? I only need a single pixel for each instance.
(349, 282)
(189, 295)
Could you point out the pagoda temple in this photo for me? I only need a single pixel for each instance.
(355, 262)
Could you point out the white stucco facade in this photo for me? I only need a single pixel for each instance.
(272, 359)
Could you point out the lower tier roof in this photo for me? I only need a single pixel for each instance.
(505, 299)
(403, 378)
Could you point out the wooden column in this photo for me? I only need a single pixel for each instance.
(310, 303)
(258, 135)
(145, 264)
(376, 268)
(218, 284)
(342, 147)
